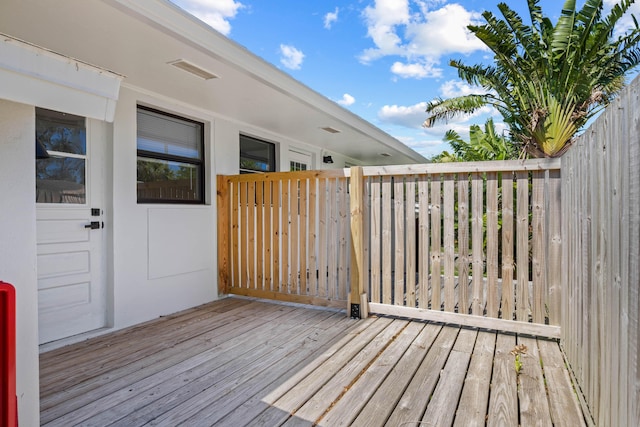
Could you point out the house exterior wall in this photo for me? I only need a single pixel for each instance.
(163, 254)
(18, 248)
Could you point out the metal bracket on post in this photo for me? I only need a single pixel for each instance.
(355, 311)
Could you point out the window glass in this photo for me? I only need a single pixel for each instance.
(297, 166)
(61, 178)
(163, 134)
(170, 158)
(256, 155)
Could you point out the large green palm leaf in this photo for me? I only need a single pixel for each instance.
(547, 80)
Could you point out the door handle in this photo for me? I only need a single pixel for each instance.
(94, 225)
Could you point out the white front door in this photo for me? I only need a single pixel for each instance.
(69, 224)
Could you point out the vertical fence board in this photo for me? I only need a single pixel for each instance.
(492, 245)
(614, 170)
(386, 240)
(436, 243)
(410, 257)
(366, 220)
(423, 239)
(224, 233)
(268, 256)
(477, 250)
(244, 255)
(235, 229)
(323, 223)
(449, 242)
(332, 264)
(399, 228)
(423, 248)
(294, 236)
(302, 225)
(630, 268)
(463, 243)
(554, 248)
(276, 214)
(508, 304)
(538, 264)
(522, 247)
(251, 235)
(375, 239)
(345, 238)
(259, 235)
(313, 233)
(284, 232)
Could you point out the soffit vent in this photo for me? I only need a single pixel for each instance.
(330, 129)
(190, 67)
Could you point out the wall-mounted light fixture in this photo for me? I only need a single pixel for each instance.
(327, 159)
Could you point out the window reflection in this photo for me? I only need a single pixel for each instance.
(61, 178)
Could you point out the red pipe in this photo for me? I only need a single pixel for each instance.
(8, 399)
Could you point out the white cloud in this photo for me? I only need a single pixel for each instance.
(427, 145)
(455, 88)
(444, 31)
(411, 117)
(626, 22)
(382, 21)
(330, 18)
(415, 70)
(216, 13)
(347, 100)
(291, 57)
(422, 36)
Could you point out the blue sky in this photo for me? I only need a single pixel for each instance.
(381, 59)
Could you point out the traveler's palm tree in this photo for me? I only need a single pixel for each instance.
(546, 80)
(483, 145)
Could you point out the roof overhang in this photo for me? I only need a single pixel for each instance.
(37, 76)
(143, 39)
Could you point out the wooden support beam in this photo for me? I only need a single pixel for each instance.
(224, 225)
(357, 243)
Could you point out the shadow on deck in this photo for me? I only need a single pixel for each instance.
(245, 362)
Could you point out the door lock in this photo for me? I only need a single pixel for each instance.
(94, 225)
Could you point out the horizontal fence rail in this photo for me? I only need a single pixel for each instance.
(479, 239)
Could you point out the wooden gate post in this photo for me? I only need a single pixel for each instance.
(357, 301)
(224, 248)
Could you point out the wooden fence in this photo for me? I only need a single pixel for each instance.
(285, 236)
(477, 244)
(446, 241)
(601, 235)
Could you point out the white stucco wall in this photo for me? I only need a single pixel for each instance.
(18, 246)
(163, 258)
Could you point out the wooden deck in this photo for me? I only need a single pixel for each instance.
(240, 362)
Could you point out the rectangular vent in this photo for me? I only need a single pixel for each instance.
(330, 129)
(193, 69)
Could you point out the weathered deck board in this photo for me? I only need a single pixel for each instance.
(534, 406)
(378, 409)
(475, 394)
(351, 402)
(247, 362)
(562, 400)
(443, 402)
(86, 392)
